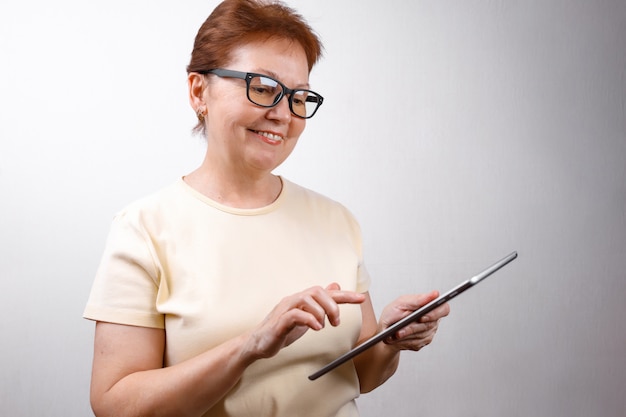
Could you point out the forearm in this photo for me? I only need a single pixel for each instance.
(379, 363)
(186, 389)
(376, 365)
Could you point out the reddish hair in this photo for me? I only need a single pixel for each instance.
(236, 22)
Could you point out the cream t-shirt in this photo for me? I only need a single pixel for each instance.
(206, 273)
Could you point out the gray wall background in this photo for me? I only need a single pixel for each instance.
(456, 131)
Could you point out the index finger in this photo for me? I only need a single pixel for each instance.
(338, 296)
(344, 297)
(438, 313)
(347, 297)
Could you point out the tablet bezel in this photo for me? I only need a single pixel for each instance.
(389, 331)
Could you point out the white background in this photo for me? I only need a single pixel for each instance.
(456, 131)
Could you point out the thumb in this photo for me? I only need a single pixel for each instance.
(428, 297)
(415, 301)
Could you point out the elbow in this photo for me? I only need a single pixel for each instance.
(99, 406)
(370, 384)
(364, 389)
(104, 406)
(371, 376)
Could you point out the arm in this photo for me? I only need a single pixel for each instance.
(128, 377)
(377, 364)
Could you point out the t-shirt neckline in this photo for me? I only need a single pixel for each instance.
(234, 210)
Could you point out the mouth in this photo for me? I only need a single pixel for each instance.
(269, 137)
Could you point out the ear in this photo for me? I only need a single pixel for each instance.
(196, 83)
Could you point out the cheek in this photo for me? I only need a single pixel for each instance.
(226, 106)
(296, 128)
(229, 119)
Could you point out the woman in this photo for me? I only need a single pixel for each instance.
(189, 273)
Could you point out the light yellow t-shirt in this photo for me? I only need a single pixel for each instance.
(206, 273)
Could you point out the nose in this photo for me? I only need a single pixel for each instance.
(281, 110)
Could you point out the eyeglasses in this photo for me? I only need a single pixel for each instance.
(266, 91)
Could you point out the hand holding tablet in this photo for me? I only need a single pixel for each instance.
(389, 331)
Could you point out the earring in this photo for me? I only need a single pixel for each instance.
(200, 114)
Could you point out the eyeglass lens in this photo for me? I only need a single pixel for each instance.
(267, 92)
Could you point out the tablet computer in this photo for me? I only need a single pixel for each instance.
(389, 331)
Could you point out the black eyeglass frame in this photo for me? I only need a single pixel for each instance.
(248, 76)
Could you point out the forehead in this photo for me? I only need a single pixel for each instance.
(281, 58)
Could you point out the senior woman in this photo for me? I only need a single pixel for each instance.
(220, 294)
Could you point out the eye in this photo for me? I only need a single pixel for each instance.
(299, 98)
(264, 86)
(263, 90)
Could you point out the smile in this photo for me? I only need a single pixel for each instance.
(271, 136)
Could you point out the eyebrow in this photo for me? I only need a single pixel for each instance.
(274, 75)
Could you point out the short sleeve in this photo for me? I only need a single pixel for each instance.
(363, 277)
(126, 285)
(363, 280)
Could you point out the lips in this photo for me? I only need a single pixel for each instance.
(269, 137)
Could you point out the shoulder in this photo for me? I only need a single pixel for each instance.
(317, 204)
(153, 207)
(302, 194)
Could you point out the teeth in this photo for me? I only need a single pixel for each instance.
(270, 136)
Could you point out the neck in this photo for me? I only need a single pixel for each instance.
(235, 191)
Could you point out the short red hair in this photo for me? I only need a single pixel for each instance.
(237, 22)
